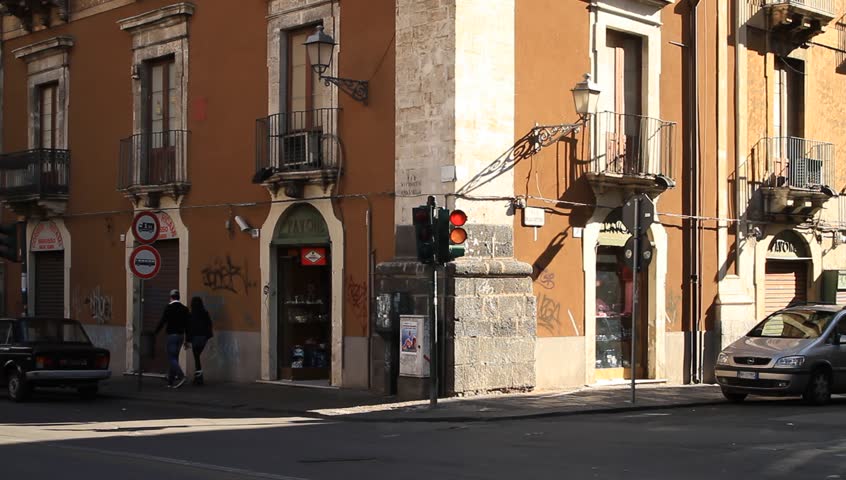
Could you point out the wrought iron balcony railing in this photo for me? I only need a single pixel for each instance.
(633, 145)
(34, 173)
(153, 159)
(825, 7)
(296, 142)
(792, 162)
(801, 168)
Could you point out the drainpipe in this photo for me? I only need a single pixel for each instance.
(695, 262)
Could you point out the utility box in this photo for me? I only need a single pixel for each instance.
(414, 346)
(834, 287)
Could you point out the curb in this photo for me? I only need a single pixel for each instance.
(361, 418)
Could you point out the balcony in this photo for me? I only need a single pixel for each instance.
(29, 12)
(786, 179)
(797, 21)
(35, 182)
(152, 164)
(297, 148)
(633, 153)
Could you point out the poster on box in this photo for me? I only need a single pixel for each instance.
(408, 338)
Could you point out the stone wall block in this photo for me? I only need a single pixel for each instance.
(490, 309)
(465, 351)
(511, 306)
(468, 308)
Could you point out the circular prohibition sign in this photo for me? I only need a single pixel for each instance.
(146, 227)
(145, 262)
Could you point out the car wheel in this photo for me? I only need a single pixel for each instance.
(19, 391)
(88, 392)
(734, 397)
(819, 389)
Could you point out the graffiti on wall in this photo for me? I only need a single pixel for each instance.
(549, 312)
(357, 297)
(94, 303)
(223, 275)
(545, 279)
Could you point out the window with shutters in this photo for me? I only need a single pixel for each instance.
(47, 114)
(155, 156)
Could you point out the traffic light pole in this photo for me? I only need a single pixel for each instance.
(20, 233)
(635, 274)
(433, 342)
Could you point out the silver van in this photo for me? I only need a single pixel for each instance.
(795, 351)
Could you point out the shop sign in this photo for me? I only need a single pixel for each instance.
(613, 232)
(787, 245)
(313, 256)
(167, 229)
(46, 238)
(304, 223)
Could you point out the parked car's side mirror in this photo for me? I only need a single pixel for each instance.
(839, 338)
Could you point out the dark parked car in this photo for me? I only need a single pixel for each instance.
(49, 352)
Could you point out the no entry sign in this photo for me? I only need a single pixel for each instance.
(145, 262)
(145, 227)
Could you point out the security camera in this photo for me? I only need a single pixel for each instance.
(242, 224)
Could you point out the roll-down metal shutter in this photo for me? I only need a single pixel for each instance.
(785, 283)
(50, 284)
(156, 297)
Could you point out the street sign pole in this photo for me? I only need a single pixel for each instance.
(139, 325)
(635, 269)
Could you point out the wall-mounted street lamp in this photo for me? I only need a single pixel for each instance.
(319, 47)
(586, 96)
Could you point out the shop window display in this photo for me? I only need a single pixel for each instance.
(305, 323)
(614, 301)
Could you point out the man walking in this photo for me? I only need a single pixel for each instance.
(175, 319)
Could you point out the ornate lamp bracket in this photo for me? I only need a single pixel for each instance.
(357, 89)
(546, 135)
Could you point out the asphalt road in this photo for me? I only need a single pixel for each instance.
(61, 437)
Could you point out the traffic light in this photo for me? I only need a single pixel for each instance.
(451, 236)
(9, 241)
(424, 229)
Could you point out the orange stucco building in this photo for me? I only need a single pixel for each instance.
(284, 193)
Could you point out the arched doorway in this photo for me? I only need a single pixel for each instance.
(786, 278)
(304, 300)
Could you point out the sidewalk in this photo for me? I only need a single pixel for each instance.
(353, 405)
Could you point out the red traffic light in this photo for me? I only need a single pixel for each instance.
(458, 218)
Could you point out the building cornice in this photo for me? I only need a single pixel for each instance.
(51, 46)
(156, 17)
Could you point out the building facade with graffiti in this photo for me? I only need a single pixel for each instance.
(253, 167)
(284, 184)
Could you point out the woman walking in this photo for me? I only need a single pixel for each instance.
(199, 332)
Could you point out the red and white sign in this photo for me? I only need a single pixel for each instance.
(146, 227)
(145, 262)
(313, 256)
(167, 229)
(46, 238)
